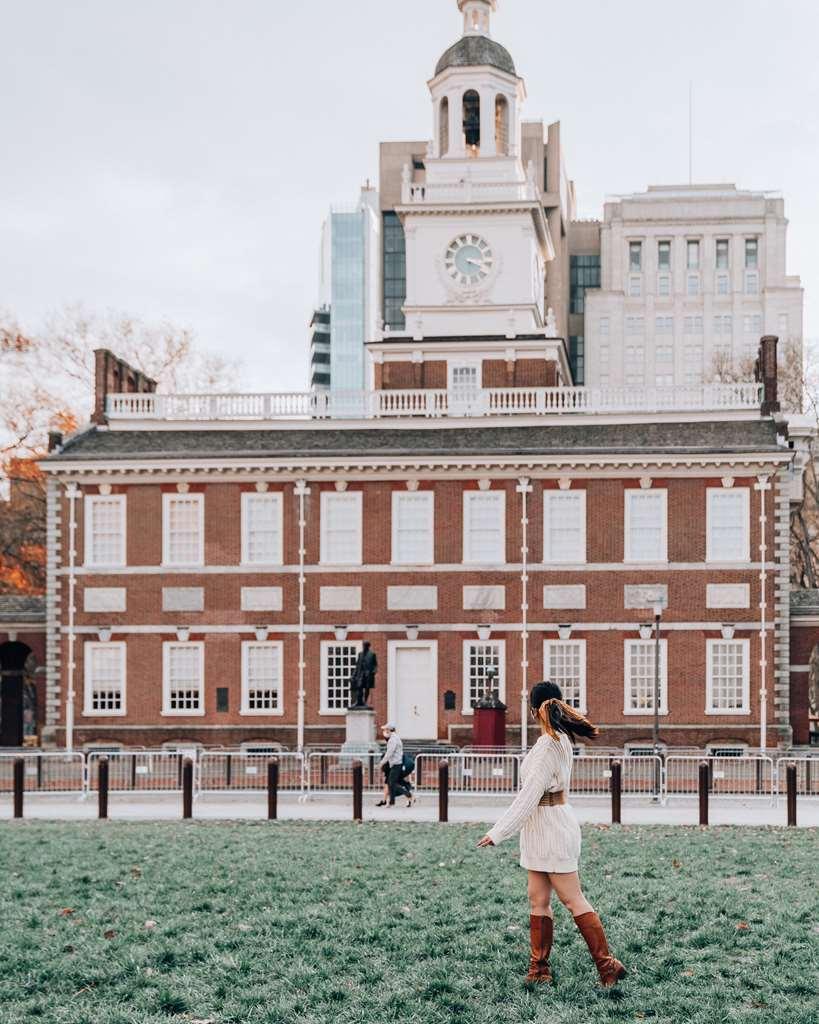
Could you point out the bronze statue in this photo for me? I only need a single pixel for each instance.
(363, 677)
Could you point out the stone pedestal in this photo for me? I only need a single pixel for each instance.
(360, 738)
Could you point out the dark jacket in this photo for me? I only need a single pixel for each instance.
(365, 668)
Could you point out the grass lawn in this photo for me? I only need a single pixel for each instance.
(108, 923)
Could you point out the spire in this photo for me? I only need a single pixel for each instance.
(477, 14)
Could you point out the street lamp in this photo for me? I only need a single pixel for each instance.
(658, 614)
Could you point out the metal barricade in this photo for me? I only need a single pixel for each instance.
(138, 771)
(641, 776)
(750, 776)
(51, 771)
(807, 775)
(480, 774)
(220, 771)
(329, 771)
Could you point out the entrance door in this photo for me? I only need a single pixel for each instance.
(12, 674)
(413, 688)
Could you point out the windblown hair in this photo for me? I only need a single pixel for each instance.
(557, 716)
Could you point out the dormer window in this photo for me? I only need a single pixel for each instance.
(472, 119)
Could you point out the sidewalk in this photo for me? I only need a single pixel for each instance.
(241, 806)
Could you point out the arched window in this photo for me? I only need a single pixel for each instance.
(472, 119)
(502, 125)
(443, 127)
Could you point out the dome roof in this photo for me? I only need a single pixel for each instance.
(471, 51)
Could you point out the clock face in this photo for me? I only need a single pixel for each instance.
(469, 260)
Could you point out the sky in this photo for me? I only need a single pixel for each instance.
(175, 158)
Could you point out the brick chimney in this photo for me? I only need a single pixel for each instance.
(766, 373)
(113, 376)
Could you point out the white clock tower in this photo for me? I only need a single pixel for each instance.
(477, 240)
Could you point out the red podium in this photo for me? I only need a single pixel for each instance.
(489, 722)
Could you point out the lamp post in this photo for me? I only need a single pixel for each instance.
(658, 614)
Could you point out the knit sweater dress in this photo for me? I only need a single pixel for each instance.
(549, 836)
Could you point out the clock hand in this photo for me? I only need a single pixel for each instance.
(475, 263)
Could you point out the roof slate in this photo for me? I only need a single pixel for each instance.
(565, 438)
(475, 51)
(22, 608)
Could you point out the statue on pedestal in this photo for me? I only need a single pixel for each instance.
(363, 677)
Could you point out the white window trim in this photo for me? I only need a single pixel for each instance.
(276, 499)
(257, 713)
(710, 555)
(472, 364)
(325, 644)
(466, 709)
(199, 500)
(166, 679)
(429, 498)
(547, 647)
(500, 498)
(88, 680)
(549, 556)
(746, 682)
(641, 712)
(326, 497)
(627, 556)
(90, 501)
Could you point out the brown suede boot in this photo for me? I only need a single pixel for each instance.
(608, 967)
(541, 931)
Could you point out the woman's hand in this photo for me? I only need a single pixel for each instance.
(486, 841)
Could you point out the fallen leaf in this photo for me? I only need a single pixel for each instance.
(136, 872)
(676, 863)
(150, 925)
(688, 974)
(110, 934)
(742, 926)
(66, 912)
(244, 927)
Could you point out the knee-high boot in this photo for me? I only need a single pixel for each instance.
(608, 967)
(541, 932)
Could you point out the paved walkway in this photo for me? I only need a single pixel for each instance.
(240, 806)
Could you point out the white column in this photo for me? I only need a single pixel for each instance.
(302, 490)
(524, 488)
(72, 493)
(457, 146)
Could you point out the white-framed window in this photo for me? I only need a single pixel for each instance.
(341, 514)
(183, 678)
(637, 749)
(480, 659)
(604, 326)
(664, 354)
(639, 677)
(693, 325)
(664, 380)
(564, 526)
(752, 324)
(262, 678)
(413, 527)
(635, 257)
(635, 325)
(664, 256)
(635, 286)
(728, 524)
(723, 253)
(104, 665)
(751, 282)
(183, 529)
(262, 529)
(663, 324)
(692, 250)
(723, 284)
(723, 324)
(664, 285)
(727, 681)
(564, 663)
(693, 284)
(751, 253)
(484, 527)
(646, 533)
(727, 749)
(105, 530)
(337, 665)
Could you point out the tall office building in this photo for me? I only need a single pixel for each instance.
(349, 308)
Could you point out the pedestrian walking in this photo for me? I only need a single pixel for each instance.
(393, 760)
(550, 836)
(407, 768)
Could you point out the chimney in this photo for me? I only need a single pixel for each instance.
(766, 373)
(55, 440)
(113, 376)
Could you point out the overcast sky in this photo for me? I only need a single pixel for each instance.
(175, 158)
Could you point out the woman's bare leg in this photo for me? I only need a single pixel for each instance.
(540, 894)
(567, 887)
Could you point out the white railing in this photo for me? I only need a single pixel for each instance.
(433, 403)
(470, 190)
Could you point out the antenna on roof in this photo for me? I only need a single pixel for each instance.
(691, 132)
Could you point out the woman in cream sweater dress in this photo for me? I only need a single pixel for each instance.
(550, 836)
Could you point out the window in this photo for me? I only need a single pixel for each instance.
(577, 358)
(693, 284)
(183, 678)
(726, 749)
(564, 526)
(564, 663)
(104, 678)
(337, 665)
(472, 119)
(646, 526)
(484, 669)
(341, 528)
(502, 125)
(635, 287)
(727, 682)
(105, 530)
(664, 353)
(635, 257)
(751, 253)
(664, 380)
(723, 284)
(664, 325)
(728, 524)
(663, 285)
(692, 249)
(752, 324)
(724, 324)
(484, 527)
(635, 325)
(604, 326)
(693, 325)
(584, 272)
(723, 253)
(413, 528)
(443, 127)
(664, 256)
(751, 283)
(182, 529)
(640, 672)
(395, 272)
(464, 379)
(262, 529)
(605, 354)
(262, 678)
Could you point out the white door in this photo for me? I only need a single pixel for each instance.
(412, 688)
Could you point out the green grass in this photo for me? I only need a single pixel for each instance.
(343, 924)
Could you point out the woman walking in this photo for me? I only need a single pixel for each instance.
(550, 836)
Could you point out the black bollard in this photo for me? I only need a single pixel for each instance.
(273, 789)
(790, 778)
(443, 791)
(616, 791)
(187, 788)
(703, 783)
(358, 791)
(102, 787)
(19, 783)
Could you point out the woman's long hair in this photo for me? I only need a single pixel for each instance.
(557, 716)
